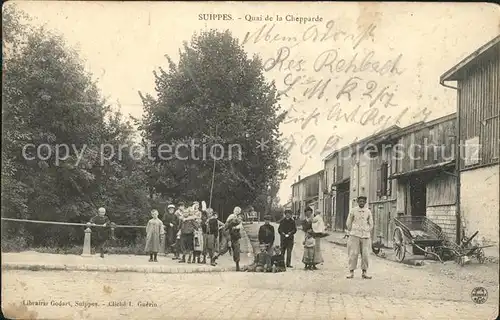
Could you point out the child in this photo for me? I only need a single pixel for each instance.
(188, 225)
(308, 258)
(101, 236)
(197, 243)
(263, 260)
(278, 260)
(212, 235)
(153, 231)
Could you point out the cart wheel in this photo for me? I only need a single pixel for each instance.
(480, 256)
(399, 244)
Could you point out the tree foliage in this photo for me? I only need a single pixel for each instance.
(215, 94)
(49, 98)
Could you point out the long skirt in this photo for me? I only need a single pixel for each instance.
(187, 243)
(198, 243)
(170, 236)
(318, 256)
(308, 257)
(212, 243)
(152, 241)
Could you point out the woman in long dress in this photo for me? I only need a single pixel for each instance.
(307, 225)
(154, 230)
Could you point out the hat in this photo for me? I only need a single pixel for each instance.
(362, 197)
(288, 211)
(267, 217)
(309, 209)
(170, 206)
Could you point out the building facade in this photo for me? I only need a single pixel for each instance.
(423, 173)
(478, 122)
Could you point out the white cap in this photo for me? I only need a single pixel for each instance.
(101, 209)
(171, 206)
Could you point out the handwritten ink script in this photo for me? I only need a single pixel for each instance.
(346, 81)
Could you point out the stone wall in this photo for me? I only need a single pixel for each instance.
(445, 217)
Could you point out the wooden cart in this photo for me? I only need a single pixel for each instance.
(419, 232)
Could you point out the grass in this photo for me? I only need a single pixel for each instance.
(18, 244)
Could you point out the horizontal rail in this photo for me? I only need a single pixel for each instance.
(71, 223)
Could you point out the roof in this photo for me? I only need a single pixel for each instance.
(364, 140)
(490, 50)
(392, 133)
(430, 167)
(309, 176)
(448, 117)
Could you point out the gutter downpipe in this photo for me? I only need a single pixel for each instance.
(457, 164)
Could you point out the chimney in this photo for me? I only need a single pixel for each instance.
(298, 178)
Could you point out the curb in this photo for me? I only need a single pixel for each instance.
(245, 245)
(32, 267)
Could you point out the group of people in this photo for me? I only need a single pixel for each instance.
(197, 233)
(193, 234)
(359, 226)
(270, 257)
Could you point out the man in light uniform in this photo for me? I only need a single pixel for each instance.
(359, 225)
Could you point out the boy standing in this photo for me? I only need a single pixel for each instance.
(287, 230)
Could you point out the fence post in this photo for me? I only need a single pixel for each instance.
(86, 243)
(162, 242)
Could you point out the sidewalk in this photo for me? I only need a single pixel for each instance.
(30, 260)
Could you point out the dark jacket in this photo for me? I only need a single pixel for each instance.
(170, 218)
(188, 226)
(266, 234)
(287, 226)
(306, 225)
(100, 234)
(213, 226)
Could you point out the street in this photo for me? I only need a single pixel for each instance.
(396, 291)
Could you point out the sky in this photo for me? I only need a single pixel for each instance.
(345, 70)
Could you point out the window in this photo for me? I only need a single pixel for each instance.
(384, 184)
(472, 151)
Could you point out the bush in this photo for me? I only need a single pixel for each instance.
(14, 244)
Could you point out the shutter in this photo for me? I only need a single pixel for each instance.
(325, 182)
(384, 178)
(379, 181)
(389, 182)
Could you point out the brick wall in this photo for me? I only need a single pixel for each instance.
(445, 217)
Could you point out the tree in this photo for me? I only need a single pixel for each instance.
(51, 102)
(215, 94)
